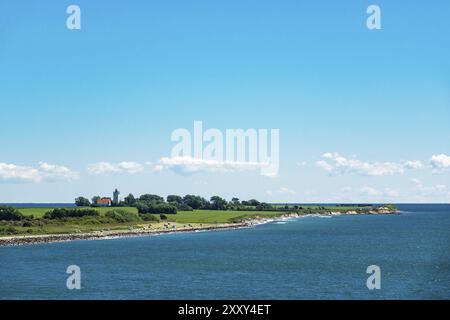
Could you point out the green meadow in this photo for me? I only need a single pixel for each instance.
(39, 212)
(203, 216)
(196, 216)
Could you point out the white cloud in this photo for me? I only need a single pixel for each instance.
(53, 172)
(130, 167)
(281, 191)
(366, 194)
(325, 166)
(440, 162)
(413, 164)
(302, 164)
(44, 172)
(14, 173)
(121, 167)
(189, 165)
(337, 164)
(369, 191)
(158, 168)
(430, 193)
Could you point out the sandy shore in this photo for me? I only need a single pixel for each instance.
(46, 238)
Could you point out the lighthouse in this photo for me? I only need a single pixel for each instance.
(116, 197)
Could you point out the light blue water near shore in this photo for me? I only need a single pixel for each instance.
(306, 258)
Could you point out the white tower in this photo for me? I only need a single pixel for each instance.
(116, 197)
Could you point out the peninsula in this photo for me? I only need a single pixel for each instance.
(151, 214)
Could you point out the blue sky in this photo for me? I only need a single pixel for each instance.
(363, 114)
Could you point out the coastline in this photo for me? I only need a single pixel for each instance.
(99, 235)
(19, 240)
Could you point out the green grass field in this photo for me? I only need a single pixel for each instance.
(39, 212)
(215, 216)
(202, 216)
(196, 216)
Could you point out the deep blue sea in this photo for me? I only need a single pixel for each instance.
(305, 258)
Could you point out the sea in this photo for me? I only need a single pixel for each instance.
(302, 258)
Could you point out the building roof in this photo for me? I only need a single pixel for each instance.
(104, 201)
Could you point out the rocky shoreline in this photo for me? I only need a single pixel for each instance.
(47, 238)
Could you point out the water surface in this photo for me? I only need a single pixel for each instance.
(305, 258)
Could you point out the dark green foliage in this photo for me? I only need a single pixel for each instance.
(253, 202)
(130, 200)
(27, 224)
(147, 198)
(176, 199)
(264, 207)
(235, 201)
(218, 203)
(82, 202)
(61, 213)
(95, 199)
(148, 217)
(10, 214)
(151, 207)
(195, 202)
(120, 215)
(184, 207)
(8, 230)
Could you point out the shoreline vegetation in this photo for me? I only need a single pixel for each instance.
(153, 215)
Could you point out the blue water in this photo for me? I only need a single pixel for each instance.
(306, 258)
(39, 205)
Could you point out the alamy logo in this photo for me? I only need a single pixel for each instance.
(73, 21)
(237, 147)
(374, 280)
(374, 20)
(74, 280)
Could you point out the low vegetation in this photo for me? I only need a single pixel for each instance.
(61, 213)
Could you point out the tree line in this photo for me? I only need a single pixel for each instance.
(152, 203)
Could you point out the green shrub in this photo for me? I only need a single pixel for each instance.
(120, 215)
(184, 207)
(61, 213)
(27, 224)
(89, 220)
(10, 214)
(148, 217)
(8, 230)
(152, 207)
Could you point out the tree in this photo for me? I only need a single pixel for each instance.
(195, 202)
(129, 200)
(218, 203)
(264, 206)
(60, 213)
(10, 214)
(151, 207)
(235, 201)
(82, 202)
(253, 202)
(151, 198)
(95, 199)
(174, 198)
